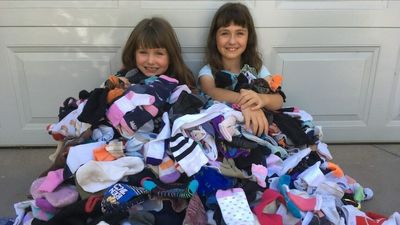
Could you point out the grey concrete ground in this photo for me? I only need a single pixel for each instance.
(372, 165)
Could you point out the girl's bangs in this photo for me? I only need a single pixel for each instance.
(235, 17)
(150, 39)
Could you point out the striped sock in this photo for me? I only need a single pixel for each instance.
(172, 191)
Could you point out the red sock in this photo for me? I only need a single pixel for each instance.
(268, 197)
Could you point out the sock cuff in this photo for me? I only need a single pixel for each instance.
(170, 79)
(151, 109)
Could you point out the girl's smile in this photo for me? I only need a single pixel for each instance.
(152, 61)
(231, 41)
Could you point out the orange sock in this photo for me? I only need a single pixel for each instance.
(336, 170)
(101, 154)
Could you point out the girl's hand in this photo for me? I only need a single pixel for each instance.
(256, 120)
(250, 98)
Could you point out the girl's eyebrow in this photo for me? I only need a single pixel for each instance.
(242, 29)
(226, 29)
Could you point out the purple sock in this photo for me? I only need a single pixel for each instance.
(137, 118)
(45, 205)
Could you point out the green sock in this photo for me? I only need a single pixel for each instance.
(359, 194)
(175, 192)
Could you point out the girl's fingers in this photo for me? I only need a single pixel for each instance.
(248, 103)
(243, 99)
(261, 125)
(258, 106)
(255, 127)
(266, 126)
(247, 122)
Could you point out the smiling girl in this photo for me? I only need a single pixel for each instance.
(153, 49)
(231, 46)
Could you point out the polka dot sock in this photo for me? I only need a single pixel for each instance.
(234, 206)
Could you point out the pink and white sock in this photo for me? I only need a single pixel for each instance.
(260, 173)
(234, 207)
(228, 128)
(125, 104)
(274, 164)
(52, 180)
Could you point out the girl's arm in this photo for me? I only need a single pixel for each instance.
(249, 98)
(207, 85)
(254, 119)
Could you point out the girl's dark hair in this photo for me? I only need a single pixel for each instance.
(158, 33)
(238, 14)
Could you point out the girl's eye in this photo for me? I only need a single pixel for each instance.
(142, 52)
(242, 32)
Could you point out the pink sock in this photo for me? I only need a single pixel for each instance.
(260, 173)
(303, 202)
(151, 109)
(53, 179)
(170, 79)
(267, 198)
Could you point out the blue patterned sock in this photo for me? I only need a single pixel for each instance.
(173, 191)
(284, 180)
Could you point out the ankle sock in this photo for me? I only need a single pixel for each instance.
(283, 186)
(171, 190)
(234, 206)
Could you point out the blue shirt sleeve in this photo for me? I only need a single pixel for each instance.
(263, 72)
(205, 71)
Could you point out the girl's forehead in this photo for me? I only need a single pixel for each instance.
(152, 48)
(150, 41)
(232, 26)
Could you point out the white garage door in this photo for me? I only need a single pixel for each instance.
(340, 59)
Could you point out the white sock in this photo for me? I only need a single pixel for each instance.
(234, 207)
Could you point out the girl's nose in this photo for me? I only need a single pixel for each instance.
(232, 39)
(150, 59)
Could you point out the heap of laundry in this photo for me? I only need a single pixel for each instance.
(151, 153)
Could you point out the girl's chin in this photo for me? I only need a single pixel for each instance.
(150, 74)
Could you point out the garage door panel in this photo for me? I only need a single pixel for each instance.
(332, 83)
(45, 76)
(394, 115)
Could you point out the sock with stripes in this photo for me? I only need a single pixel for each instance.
(187, 153)
(171, 190)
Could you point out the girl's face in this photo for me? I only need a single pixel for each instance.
(232, 41)
(152, 61)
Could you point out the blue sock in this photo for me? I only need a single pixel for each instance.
(284, 180)
(172, 191)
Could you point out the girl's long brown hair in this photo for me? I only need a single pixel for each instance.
(158, 33)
